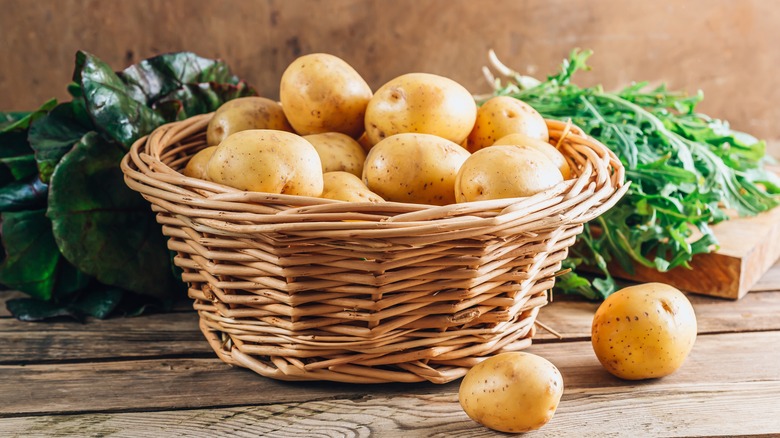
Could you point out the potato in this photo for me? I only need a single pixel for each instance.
(422, 103)
(512, 392)
(322, 93)
(338, 152)
(245, 113)
(265, 160)
(505, 172)
(345, 186)
(504, 115)
(644, 331)
(196, 167)
(542, 146)
(416, 168)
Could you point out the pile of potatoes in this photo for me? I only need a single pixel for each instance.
(420, 138)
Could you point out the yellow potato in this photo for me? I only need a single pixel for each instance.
(265, 160)
(422, 103)
(196, 167)
(245, 113)
(504, 115)
(644, 331)
(338, 152)
(542, 146)
(322, 93)
(345, 186)
(416, 168)
(512, 392)
(505, 172)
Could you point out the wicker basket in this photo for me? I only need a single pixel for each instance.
(299, 288)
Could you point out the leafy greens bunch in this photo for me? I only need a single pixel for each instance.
(687, 171)
(75, 237)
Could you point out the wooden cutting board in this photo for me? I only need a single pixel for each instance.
(748, 248)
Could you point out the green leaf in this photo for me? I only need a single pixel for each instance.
(152, 79)
(31, 258)
(17, 168)
(30, 309)
(8, 119)
(200, 98)
(22, 123)
(101, 226)
(54, 134)
(29, 194)
(110, 104)
(98, 302)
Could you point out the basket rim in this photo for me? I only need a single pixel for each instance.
(599, 185)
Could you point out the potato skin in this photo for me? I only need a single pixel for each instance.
(505, 172)
(420, 103)
(196, 167)
(504, 115)
(245, 113)
(345, 186)
(542, 146)
(265, 160)
(323, 93)
(415, 168)
(512, 392)
(338, 152)
(644, 331)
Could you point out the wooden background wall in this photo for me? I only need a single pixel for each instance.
(728, 48)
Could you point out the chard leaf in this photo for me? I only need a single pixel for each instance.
(31, 254)
(201, 98)
(17, 168)
(29, 194)
(54, 134)
(110, 103)
(21, 121)
(103, 227)
(152, 79)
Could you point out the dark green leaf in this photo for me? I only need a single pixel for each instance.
(201, 98)
(7, 119)
(29, 194)
(53, 135)
(17, 168)
(101, 226)
(22, 123)
(112, 108)
(98, 302)
(31, 258)
(30, 309)
(154, 78)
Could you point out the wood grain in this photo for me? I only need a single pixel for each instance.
(594, 403)
(685, 410)
(698, 44)
(152, 385)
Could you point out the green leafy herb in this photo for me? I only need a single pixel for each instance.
(686, 169)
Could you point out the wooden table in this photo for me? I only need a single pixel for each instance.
(156, 376)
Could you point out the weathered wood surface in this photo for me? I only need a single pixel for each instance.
(158, 379)
(710, 45)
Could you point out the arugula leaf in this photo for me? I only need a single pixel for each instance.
(103, 227)
(686, 169)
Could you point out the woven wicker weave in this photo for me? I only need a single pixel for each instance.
(299, 288)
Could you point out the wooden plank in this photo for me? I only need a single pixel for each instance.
(748, 248)
(152, 385)
(177, 334)
(685, 410)
(171, 334)
(572, 317)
